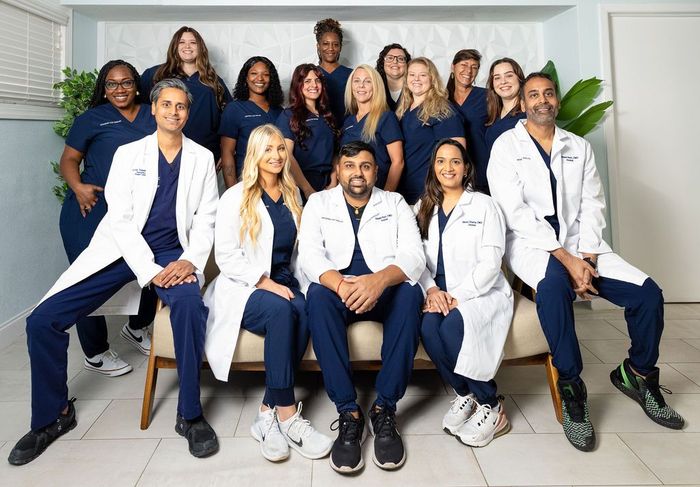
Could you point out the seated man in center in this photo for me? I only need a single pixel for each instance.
(362, 251)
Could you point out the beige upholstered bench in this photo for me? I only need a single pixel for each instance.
(525, 345)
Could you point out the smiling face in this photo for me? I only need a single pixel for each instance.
(540, 104)
(362, 88)
(187, 47)
(357, 175)
(505, 82)
(273, 158)
(258, 78)
(119, 95)
(418, 79)
(395, 64)
(449, 167)
(312, 87)
(465, 72)
(170, 110)
(329, 48)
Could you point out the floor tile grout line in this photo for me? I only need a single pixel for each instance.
(97, 418)
(640, 459)
(521, 411)
(148, 462)
(481, 470)
(589, 350)
(683, 374)
(686, 342)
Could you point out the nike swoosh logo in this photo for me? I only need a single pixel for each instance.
(299, 443)
(98, 364)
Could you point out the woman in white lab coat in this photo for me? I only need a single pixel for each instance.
(255, 239)
(469, 304)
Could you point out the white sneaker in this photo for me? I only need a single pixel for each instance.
(139, 339)
(461, 408)
(304, 438)
(108, 364)
(266, 430)
(485, 424)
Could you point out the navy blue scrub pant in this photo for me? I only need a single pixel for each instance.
(285, 328)
(47, 338)
(442, 338)
(398, 308)
(644, 313)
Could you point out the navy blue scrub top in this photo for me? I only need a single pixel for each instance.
(358, 266)
(500, 126)
(551, 219)
(203, 123)
(474, 115)
(388, 131)
(160, 230)
(239, 119)
(285, 235)
(440, 268)
(316, 155)
(419, 142)
(335, 87)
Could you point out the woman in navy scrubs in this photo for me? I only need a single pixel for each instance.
(470, 100)
(115, 117)
(257, 100)
(371, 121)
(188, 59)
(329, 43)
(503, 93)
(309, 130)
(426, 116)
(391, 66)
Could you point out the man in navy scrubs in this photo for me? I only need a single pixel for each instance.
(360, 247)
(159, 228)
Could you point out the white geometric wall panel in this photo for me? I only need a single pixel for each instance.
(290, 44)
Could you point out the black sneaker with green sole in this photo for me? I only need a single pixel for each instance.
(576, 421)
(647, 392)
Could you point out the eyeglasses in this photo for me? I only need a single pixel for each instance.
(127, 84)
(395, 59)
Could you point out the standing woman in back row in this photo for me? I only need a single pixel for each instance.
(391, 66)
(188, 59)
(426, 116)
(506, 79)
(329, 43)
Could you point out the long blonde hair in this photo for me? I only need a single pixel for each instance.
(377, 104)
(435, 104)
(252, 188)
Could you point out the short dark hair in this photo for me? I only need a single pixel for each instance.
(171, 83)
(537, 74)
(351, 149)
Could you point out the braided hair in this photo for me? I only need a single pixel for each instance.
(98, 94)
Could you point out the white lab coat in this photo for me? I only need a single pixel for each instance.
(473, 243)
(242, 264)
(520, 184)
(388, 235)
(129, 191)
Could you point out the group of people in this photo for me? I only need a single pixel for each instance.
(395, 225)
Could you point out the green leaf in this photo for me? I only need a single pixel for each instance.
(578, 98)
(588, 120)
(551, 70)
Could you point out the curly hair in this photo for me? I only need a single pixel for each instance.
(380, 60)
(98, 94)
(328, 25)
(297, 104)
(274, 94)
(207, 75)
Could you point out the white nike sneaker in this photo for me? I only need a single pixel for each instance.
(139, 339)
(304, 438)
(107, 363)
(461, 408)
(485, 424)
(266, 430)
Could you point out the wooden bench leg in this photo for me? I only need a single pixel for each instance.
(149, 391)
(552, 378)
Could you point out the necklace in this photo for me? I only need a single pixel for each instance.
(358, 211)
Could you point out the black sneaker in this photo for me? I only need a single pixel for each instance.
(389, 452)
(34, 443)
(577, 424)
(201, 437)
(647, 392)
(346, 454)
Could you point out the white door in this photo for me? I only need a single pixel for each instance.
(653, 145)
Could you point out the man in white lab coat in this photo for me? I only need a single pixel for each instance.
(361, 249)
(546, 182)
(158, 230)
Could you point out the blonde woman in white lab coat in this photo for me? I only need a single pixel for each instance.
(469, 304)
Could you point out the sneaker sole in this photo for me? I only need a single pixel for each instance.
(347, 470)
(633, 395)
(25, 461)
(448, 429)
(130, 340)
(258, 438)
(310, 456)
(482, 443)
(108, 373)
(389, 465)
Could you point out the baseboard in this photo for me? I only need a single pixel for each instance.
(14, 327)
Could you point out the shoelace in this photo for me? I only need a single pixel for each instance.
(349, 430)
(300, 427)
(384, 424)
(460, 402)
(112, 354)
(576, 408)
(270, 421)
(655, 391)
(485, 411)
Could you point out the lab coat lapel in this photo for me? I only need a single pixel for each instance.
(184, 180)
(150, 163)
(339, 207)
(459, 209)
(372, 209)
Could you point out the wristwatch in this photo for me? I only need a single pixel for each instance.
(591, 262)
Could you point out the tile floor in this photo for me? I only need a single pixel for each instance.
(108, 448)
